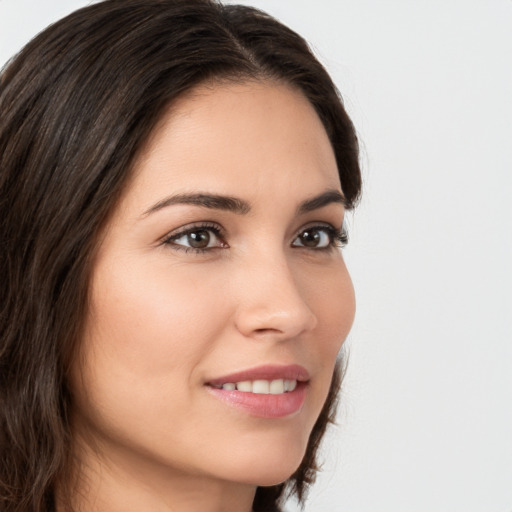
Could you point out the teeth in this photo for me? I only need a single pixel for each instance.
(246, 385)
(276, 387)
(262, 387)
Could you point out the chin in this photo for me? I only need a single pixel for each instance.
(268, 465)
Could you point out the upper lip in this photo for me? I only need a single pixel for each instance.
(264, 372)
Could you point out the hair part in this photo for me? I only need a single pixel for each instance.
(78, 105)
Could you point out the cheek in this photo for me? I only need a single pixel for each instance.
(150, 322)
(332, 298)
(333, 302)
(145, 336)
(341, 311)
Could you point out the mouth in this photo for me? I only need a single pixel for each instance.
(260, 387)
(266, 392)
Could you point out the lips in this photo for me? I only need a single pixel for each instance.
(270, 391)
(267, 372)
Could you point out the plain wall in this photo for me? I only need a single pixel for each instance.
(426, 414)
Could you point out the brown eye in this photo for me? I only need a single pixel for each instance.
(199, 239)
(317, 237)
(310, 238)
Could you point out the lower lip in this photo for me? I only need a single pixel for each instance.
(264, 406)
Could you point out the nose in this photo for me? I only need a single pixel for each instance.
(271, 304)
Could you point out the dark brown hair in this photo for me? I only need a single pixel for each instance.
(76, 107)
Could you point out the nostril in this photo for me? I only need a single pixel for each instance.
(266, 331)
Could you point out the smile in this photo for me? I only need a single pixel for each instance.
(271, 391)
(261, 387)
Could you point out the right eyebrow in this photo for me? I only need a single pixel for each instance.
(211, 201)
(328, 197)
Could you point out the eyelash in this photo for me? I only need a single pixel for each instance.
(206, 226)
(338, 238)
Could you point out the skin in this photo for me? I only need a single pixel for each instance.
(164, 319)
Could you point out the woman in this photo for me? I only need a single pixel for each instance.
(174, 176)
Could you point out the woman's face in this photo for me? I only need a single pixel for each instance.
(219, 269)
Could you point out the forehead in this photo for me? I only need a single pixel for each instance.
(238, 138)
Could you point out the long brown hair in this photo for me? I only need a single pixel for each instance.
(76, 106)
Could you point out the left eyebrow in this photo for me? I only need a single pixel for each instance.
(211, 201)
(315, 203)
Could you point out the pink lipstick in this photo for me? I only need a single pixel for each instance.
(270, 391)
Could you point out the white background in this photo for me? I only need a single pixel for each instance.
(426, 419)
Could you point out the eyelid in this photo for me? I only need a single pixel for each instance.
(339, 236)
(170, 238)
